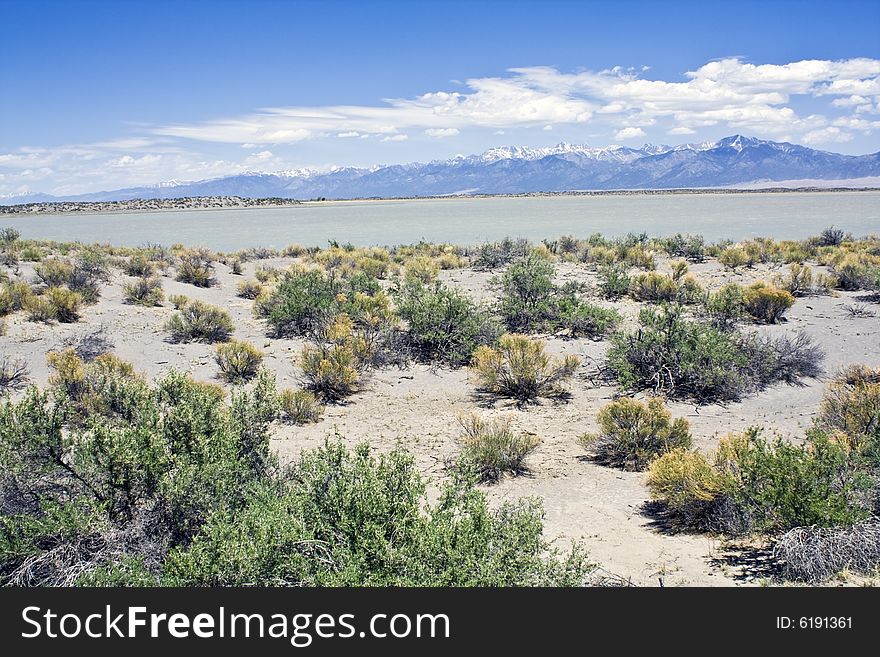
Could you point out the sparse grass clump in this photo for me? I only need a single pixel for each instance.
(196, 267)
(492, 447)
(633, 433)
(146, 291)
(443, 324)
(767, 304)
(300, 406)
(200, 322)
(519, 368)
(138, 265)
(239, 361)
(249, 289)
(178, 301)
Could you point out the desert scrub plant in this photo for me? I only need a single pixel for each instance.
(305, 301)
(653, 287)
(249, 289)
(583, 319)
(734, 257)
(614, 282)
(14, 374)
(138, 265)
(798, 283)
(421, 269)
(196, 267)
(851, 408)
(756, 485)
(235, 267)
(200, 322)
(492, 255)
(54, 272)
(492, 447)
(677, 356)
(14, 295)
(857, 271)
(145, 291)
(443, 324)
(65, 304)
(725, 306)
(633, 433)
(238, 360)
(815, 554)
(765, 303)
(520, 368)
(178, 301)
(333, 368)
(39, 309)
(527, 294)
(300, 406)
(689, 486)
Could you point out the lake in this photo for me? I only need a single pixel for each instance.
(792, 215)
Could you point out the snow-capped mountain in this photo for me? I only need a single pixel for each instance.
(732, 161)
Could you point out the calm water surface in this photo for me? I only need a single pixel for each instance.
(469, 221)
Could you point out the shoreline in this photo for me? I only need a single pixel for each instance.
(73, 208)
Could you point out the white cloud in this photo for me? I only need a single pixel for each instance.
(681, 130)
(442, 132)
(396, 138)
(350, 133)
(629, 133)
(548, 127)
(827, 135)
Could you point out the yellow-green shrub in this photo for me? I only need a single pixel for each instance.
(249, 289)
(239, 361)
(521, 369)
(766, 303)
(65, 304)
(300, 406)
(633, 433)
(492, 447)
(851, 407)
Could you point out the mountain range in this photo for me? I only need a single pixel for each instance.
(730, 162)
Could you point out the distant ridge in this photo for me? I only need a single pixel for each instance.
(733, 161)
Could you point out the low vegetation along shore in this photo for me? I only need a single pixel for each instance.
(641, 410)
(145, 205)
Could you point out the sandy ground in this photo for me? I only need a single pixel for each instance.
(418, 408)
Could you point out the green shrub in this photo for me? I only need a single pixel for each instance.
(614, 281)
(249, 289)
(584, 319)
(443, 324)
(677, 356)
(200, 322)
(520, 369)
(527, 294)
(196, 267)
(766, 303)
(300, 406)
(239, 361)
(799, 281)
(421, 269)
(725, 306)
(764, 486)
(65, 304)
(857, 271)
(145, 291)
(633, 433)
(492, 447)
(492, 255)
(304, 302)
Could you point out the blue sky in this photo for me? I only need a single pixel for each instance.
(100, 94)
